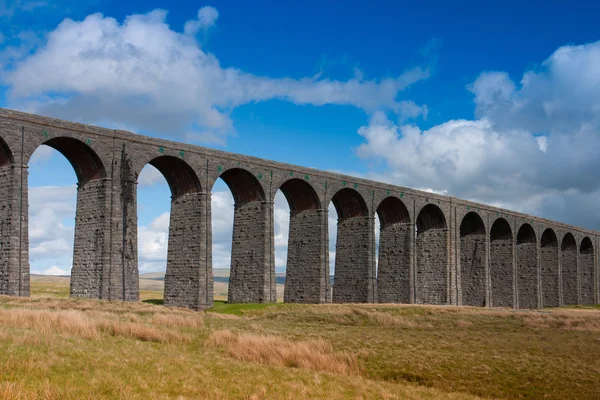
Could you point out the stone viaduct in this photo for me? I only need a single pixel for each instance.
(433, 249)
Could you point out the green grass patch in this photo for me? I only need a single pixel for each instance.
(223, 307)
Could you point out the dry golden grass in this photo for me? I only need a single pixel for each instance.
(314, 354)
(88, 325)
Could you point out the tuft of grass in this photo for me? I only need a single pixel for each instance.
(313, 354)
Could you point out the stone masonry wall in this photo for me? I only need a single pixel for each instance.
(353, 280)
(432, 267)
(549, 266)
(472, 269)
(586, 270)
(90, 241)
(569, 277)
(501, 273)
(527, 276)
(187, 276)
(10, 283)
(251, 269)
(394, 266)
(306, 275)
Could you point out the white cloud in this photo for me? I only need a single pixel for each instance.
(533, 147)
(54, 270)
(50, 235)
(41, 154)
(141, 73)
(150, 176)
(207, 18)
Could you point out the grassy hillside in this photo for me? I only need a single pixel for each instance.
(53, 347)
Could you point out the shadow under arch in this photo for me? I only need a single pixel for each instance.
(252, 271)
(431, 246)
(395, 252)
(501, 264)
(527, 267)
(6, 156)
(354, 267)
(549, 268)
(586, 271)
(568, 254)
(472, 260)
(188, 276)
(307, 272)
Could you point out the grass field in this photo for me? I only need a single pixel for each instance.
(52, 347)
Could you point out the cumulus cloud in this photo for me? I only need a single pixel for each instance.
(150, 176)
(50, 237)
(533, 146)
(144, 75)
(207, 18)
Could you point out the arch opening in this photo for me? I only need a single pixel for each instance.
(306, 272)
(586, 271)
(432, 272)
(568, 243)
(430, 217)
(526, 234)
(85, 161)
(527, 267)
(501, 264)
(354, 274)
(501, 230)
(549, 268)
(569, 270)
(51, 206)
(392, 211)
(472, 224)
(394, 252)
(472, 260)
(549, 238)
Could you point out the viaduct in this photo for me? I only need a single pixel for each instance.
(433, 249)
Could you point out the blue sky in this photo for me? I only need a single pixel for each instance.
(493, 101)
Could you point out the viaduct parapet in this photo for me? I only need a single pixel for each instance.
(433, 249)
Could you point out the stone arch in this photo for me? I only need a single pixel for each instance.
(349, 203)
(300, 195)
(501, 264)
(395, 252)
(527, 267)
(431, 256)
(586, 271)
(568, 254)
(549, 268)
(180, 176)
(83, 158)
(354, 267)
(187, 280)
(472, 260)
(307, 274)
(244, 186)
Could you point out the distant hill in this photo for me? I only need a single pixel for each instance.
(219, 275)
